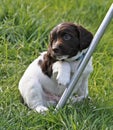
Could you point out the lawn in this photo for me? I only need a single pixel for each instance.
(24, 32)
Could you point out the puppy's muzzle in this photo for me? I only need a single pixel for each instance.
(57, 49)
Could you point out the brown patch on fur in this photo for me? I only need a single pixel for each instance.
(46, 64)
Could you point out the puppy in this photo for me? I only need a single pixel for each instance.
(46, 78)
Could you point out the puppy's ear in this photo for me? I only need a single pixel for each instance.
(85, 37)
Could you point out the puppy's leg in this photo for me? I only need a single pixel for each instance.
(33, 95)
(62, 70)
(82, 91)
(41, 109)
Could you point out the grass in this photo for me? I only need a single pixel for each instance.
(24, 32)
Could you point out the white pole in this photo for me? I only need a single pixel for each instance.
(76, 76)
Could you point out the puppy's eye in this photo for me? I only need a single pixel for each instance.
(66, 36)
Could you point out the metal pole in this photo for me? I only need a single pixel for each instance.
(76, 76)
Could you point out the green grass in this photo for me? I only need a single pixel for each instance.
(24, 33)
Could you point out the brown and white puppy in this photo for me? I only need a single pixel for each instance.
(46, 78)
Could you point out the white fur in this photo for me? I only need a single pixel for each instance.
(62, 69)
(39, 91)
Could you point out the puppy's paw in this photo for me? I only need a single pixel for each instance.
(41, 109)
(63, 72)
(74, 99)
(63, 79)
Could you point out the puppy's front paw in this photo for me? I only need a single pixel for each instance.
(41, 109)
(63, 79)
(62, 70)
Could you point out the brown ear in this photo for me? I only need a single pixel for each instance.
(85, 37)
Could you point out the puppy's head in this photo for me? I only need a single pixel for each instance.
(67, 39)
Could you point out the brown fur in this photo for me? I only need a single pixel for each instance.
(46, 64)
